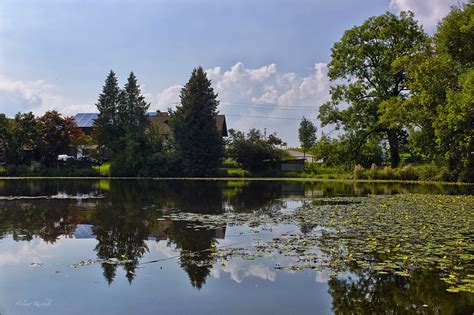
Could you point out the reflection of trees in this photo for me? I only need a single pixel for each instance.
(196, 258)
(257, 195)
(371, 293)
(120, 232)
(48, 187)
(26, 219)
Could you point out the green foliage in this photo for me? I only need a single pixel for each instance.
(107, 130)
(340, 151)
(126, 137)
(307, 134)
(198, 145)
(455, 34)
(132, 108)
(253, 150)
(143, 156)
(427, 172)
(57, 135)
(365, 59)
(439, 110)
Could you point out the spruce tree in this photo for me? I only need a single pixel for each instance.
(132, 108)
(199, 146)
(107, 131)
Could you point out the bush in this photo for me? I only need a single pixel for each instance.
(387, 173)
(16, 170)
(359, 172)
(408, 172)
(434, 172)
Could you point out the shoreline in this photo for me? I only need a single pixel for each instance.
(294, 179)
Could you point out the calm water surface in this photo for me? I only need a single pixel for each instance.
(48, 226)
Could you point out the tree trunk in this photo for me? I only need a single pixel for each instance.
(394, 148)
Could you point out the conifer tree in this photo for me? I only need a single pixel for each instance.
(106, 128)
(132, 108)
(198, 144)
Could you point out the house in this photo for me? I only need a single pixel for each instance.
(85, 121)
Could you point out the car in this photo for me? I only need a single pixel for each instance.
(65, 157)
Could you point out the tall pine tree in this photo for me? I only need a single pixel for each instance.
(132, 108)
(198, 144)
(106, 128)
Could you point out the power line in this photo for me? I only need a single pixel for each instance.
(229, 103)
(272, 107)
(266, 106)
(266, 117)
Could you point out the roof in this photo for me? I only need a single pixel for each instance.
(86, 120)
(161, 120)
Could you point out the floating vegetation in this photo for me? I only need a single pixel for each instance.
(387, 234)
(110, 261)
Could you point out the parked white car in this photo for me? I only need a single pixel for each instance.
(64, 157)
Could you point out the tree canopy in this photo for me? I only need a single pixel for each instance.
(364, 64)
(307, 135)
(198, 145)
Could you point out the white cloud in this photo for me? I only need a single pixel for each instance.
(167, 98)
(36, 96)
(239, 269)
(429, 13)
(261, 92)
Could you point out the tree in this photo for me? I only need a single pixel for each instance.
(338, 152)
(107, 131)
(364, 60)
(253, 150)
(5, 137)
(132, 108)
(26, 137)
(58, 134)
(307, 135)
(198, 145)
(437, 110)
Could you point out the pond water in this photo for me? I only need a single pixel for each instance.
(122, 247)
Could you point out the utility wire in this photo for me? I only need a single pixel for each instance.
(266, 117)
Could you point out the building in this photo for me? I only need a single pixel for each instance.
(85, 121)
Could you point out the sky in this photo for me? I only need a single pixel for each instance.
(267, 59)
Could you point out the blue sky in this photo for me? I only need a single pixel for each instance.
(266, 58)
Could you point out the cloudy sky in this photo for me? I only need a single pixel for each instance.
(267, 58)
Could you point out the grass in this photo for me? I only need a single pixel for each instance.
(104, 169)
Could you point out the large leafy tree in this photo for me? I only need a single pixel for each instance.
(106, 127)
(58, 133)
(198, 144)
(307, 135)
(26, 136)
(364, 64)
(253, 150)
(438, 111)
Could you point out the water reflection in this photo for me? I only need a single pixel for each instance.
(366, 292)
(125, 217)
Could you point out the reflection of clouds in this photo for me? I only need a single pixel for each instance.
(162, 248)
(22, 253)
(239, 269)
(321, 277)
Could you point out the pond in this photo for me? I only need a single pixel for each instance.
(235, 247)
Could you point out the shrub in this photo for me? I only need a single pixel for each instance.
(408, 172)
(359, 172)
